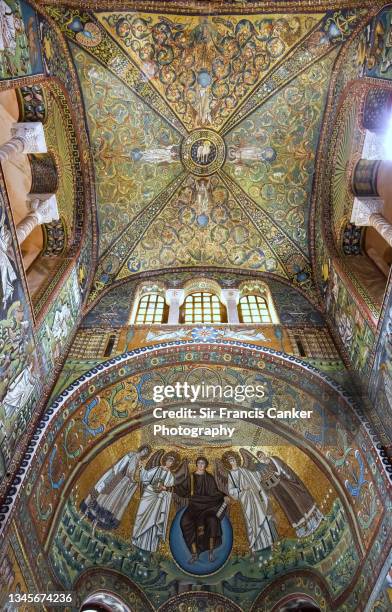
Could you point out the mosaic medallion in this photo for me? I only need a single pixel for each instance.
(203, 152)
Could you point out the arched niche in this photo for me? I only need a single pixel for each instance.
(109, 590)
(48, 249)
(360, 252)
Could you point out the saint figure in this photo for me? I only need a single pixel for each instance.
(201, 521)
(19, 392)
(291, 494)
(106, 503)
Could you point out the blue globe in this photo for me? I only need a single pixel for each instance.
(204, 78)
(202, 566)
(136, 154)
(202, 220)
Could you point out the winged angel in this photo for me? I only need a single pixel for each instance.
(158, 479)
(238, 476)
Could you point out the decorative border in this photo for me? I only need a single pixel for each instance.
(196, 7)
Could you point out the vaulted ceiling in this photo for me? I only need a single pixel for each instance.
(204, 131)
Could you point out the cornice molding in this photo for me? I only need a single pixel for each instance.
(208, 7)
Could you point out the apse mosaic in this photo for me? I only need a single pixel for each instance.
(295, 496)
(205, 85)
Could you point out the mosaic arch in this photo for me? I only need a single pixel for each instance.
(188, 120)
(105, 415)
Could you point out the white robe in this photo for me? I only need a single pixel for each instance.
(8, 276)
(248, 153)
(159, 155)
(118, 498)
(245, 486)
(153, 513)
(19, 392)
(7, 28)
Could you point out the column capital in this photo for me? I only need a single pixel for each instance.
(230, 295)
(382, 226)
(175, 296)
(33, 136)
(363, 208)
(42, 211)
(45, 208)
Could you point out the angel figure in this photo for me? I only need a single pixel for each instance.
(162, 472)
(243, 484)
(202, 195)
(106, 503)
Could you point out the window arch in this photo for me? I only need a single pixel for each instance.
(104, 602)
(151, 309)
(254, 309)
(203, 307)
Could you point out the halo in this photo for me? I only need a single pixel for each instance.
(225, 458)
(174, 455)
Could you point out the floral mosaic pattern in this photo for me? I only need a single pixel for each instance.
(271, 144)
(204, 67)
(124, 135)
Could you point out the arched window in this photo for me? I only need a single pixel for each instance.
(151, 309)
(254, 309)
(104, 602)
(203, 307)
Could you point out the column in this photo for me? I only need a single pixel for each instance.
(231, 297)
(364, 179)
(372, 181)
(42, 211)
(26, 138)
(174, 297)
(368, 212)
(382, 226)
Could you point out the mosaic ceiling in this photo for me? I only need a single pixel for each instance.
(204, 131)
